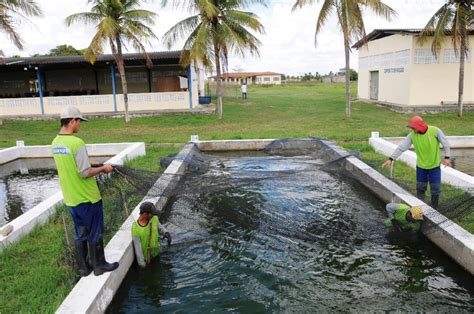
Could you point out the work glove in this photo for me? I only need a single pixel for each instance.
(167, 236)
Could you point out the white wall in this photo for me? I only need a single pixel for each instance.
(408, 83)
(393, 75)
(97, 103)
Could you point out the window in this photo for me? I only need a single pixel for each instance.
(402, 57)
(363, 62)
(266, 79)
(450, 56)
(425, 56)
(386, 59)
(276, 79)
(374, 61)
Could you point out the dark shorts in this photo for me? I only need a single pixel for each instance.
(88, 221)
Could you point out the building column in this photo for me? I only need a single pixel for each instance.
(112, 73)
(190, 87)
(40, 88)
(149, 79)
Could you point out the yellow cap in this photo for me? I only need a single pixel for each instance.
(417, 213)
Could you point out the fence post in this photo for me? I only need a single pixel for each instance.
(40, 88)
(112, 70)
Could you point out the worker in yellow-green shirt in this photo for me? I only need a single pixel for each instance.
(145, 233)
(426, 139)
(403, 218)
(81, 193)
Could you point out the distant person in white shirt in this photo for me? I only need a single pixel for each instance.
(244, 90)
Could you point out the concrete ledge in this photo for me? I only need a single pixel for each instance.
(39, 214)
(433, 108)
(230, 145)
(450, 237)
(449, 175)
(93, 294)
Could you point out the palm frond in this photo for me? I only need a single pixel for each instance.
(324, 13)
(181, 30)
(83, 17)
(301, 3)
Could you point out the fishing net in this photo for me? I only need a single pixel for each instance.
(207, 174)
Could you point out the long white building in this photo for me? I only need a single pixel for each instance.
(396, 70)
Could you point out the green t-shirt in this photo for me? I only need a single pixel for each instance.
(70, 156)
(145, 234)
(427, 148)
(401, 217)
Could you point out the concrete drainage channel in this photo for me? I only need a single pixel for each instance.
(93, 294)
(39, 214)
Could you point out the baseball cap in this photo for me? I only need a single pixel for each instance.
(71, 112)
(149, 207)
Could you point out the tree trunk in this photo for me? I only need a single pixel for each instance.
(462, 59)
(123, 79)
(348, 79)
(219, 82)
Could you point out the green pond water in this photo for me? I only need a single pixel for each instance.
(24, 184)
(463, 160)
(308, 242)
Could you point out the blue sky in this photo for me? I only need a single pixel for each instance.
(287, 47)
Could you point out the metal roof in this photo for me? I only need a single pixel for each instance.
(381, 33)
(57, 60)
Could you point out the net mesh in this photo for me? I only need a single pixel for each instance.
(126, 186)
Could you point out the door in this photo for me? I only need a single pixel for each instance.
(374, 85)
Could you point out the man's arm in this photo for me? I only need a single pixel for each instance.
(84, 167)
(446, 146)
(137, 247)
(162, 230)
(391, 209)
(402, 147)
(398, 151)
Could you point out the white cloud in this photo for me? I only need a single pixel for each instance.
(287, 47)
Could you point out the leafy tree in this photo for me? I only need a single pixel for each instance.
(349, 18)
(117, 22)
(354, 76)
(454, 19)
(218, 28)
(65, 50)
(11, 13)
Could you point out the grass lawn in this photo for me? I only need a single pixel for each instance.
(35, 273)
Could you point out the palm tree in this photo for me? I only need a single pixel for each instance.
(349, 18)
(454, 19)
(218, 28)
(11, 13)
(117, 22)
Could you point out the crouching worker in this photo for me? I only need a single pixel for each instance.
(145, 233)
(403, 218)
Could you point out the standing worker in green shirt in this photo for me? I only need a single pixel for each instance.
(426, 139)
(81, 193)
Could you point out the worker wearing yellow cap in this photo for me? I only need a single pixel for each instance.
(403, 218)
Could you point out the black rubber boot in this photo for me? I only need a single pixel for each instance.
(82, 260)
(435, 201)
(421, 188)
(100, 266)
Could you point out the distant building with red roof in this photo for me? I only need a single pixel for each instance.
(249, 78)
